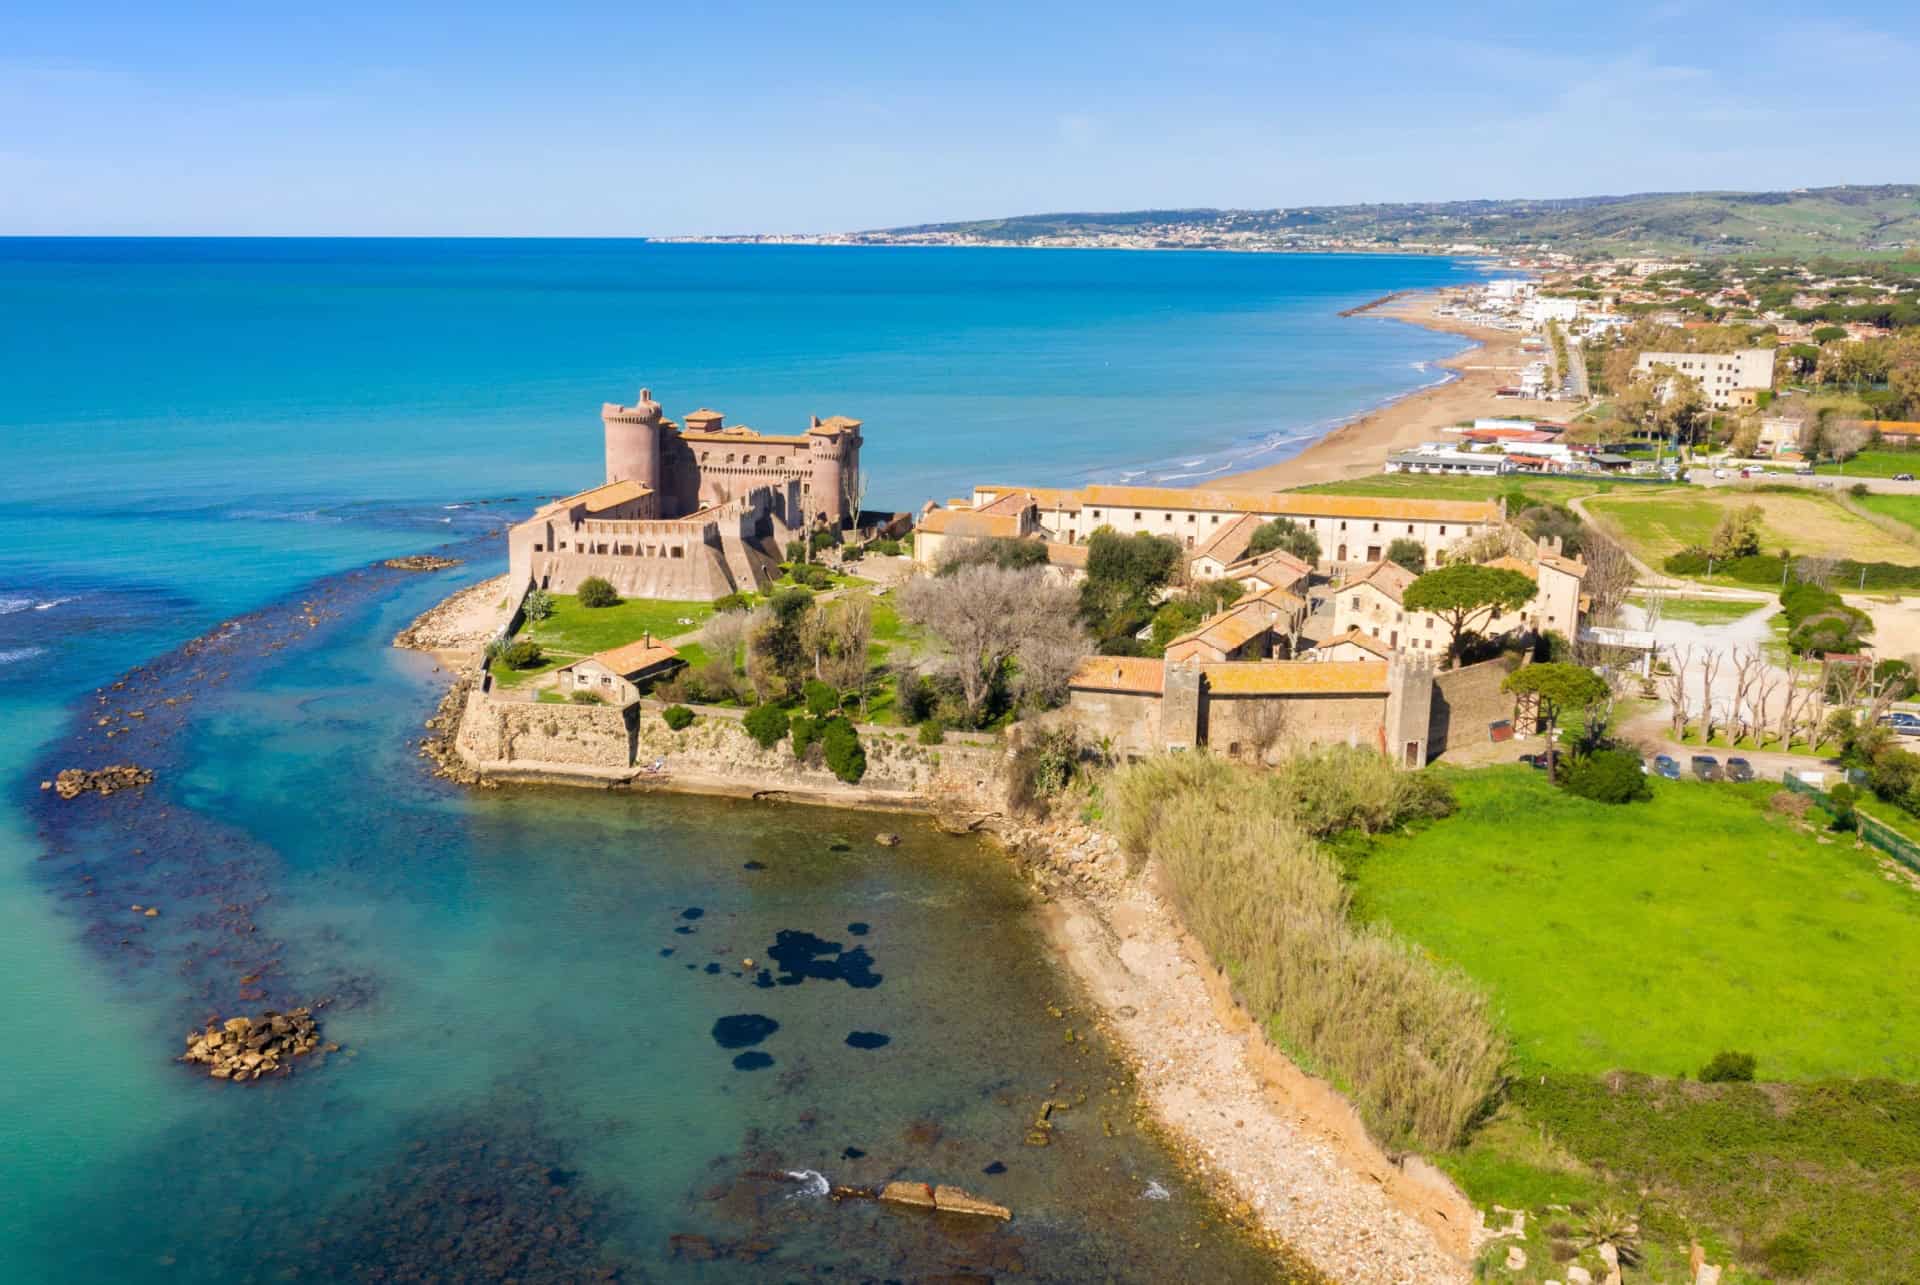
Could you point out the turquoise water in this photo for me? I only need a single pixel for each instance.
(195, 431)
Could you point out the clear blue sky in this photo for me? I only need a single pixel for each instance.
(641, 118)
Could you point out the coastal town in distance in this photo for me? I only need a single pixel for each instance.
(960, 645)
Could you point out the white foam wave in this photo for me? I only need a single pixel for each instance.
(812, 1182)
(50, 604)
(10, 605)
(15, 654)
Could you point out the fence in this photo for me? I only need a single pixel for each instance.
(1874, 831)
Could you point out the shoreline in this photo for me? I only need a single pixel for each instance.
(1360, 445)
(1278, 1147)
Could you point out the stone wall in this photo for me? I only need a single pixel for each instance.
(1131, 720)
(1466, 701)
(498, 732)
(1304, 720)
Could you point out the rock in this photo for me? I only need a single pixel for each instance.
(887, 839)
(243, 1048)
(1707, 1274)
(908, 1193)
(1516, 1259)
(421, 562)
(955, 1201)
(1578, 1275)
(73, 782)
(151, 911)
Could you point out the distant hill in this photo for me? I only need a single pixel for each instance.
(1838, 221)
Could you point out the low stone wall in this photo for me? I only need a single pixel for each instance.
(1466, 701)
(520, 740)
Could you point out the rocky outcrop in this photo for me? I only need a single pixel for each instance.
(76, 781)
(250, 1048)
(946, 1199)
(421, 562)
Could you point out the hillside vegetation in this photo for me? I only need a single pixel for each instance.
(1840, 221)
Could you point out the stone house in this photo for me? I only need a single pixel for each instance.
(1370, 603)
(615, 675)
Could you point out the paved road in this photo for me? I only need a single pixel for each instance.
(1821, 482)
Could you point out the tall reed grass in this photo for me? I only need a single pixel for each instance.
(1414, 1044)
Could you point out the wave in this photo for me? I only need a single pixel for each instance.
(10, 605)
(51, 603)
(14, 655)
(1155, 1191)
(280, 515)
(812, 1182)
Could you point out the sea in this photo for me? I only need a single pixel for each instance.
(581, 1035)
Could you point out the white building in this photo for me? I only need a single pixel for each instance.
(1437, 458)
(1723, 376)
(1546, 308)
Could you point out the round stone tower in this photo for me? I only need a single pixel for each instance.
(633, 440)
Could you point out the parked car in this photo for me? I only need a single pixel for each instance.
(1538, 762)
(1707, 767)
(1739, 770)
(1826, 482)
(1903, 477)
(1719, 472)
(1666, 765)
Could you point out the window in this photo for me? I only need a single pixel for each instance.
(1216, 519)
(1443, 530)
(1376, 528)
(1096, 513)
(1136, 515)
(1190, 517)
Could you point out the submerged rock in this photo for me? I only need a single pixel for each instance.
(421, 562)
(754, 1061)
(868, 1040)
(743, 1030)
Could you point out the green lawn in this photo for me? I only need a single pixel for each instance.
(1706, 611)
(1901, 508)
(1875, 463)
(506, 676)
(575, 630)
(1651, 936)
(1658, 523)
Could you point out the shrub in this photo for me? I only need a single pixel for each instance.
(733, 602)
(678, 717)
(811, 575)
(805, 733)
(889, 548)
(845, 756)
(537, 605)
(1789, 1254)
(933, 732)
(795, 551)
(1727, 1066)
(766, 724)
(913, 696)
(822, 698)
(852, 553)
(523, 654)
(584, 697)
(1840, 805)
(1413, 1042)
(1284, 533)
(1790, 804)
(1337, 788)
(597, 591)
(1609, 776)
(1042, 767)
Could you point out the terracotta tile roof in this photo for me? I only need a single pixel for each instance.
(1268, 563)
(602, 498)
(1358, 639)
(1389, 578)
(1230, 542)
(965, 522)
(1139, 675)
(1282, 599)
(1054, 499)
(1014, 502)
(1293, 504)
(1577, 570)
(1510, 563)
(1068, 555)
(636, 657)
(1232, 628)
(1297, 677)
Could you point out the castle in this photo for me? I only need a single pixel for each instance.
(690, 513)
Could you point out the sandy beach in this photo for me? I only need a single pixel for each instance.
(1361, 446)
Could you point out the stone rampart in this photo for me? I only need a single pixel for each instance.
(1466, 701)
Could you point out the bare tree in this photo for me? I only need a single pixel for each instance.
(853, 493)
(1817, 569)
(837, 634)
(726, 633)
(1264, 724)
(1610, 573)
(1789, 702)
(1764, 687)
(1673, 685)
(1748, 665)
(984, 614)
(1047, 658)
(1710, 662)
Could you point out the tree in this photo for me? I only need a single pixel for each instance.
(1409, 553)
(1465, 594)
(1284, 533)
(1124, 575)
(1559, 689)
(597, 591)
(1000, 551)
(1610, 574)
(987, 615)
(538, 605)
(1738, 534)
(766, 724)
(778, 658)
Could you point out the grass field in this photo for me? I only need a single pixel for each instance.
(1875, 463)
(1660, 523)
(1705, 611)
(1652, 936)
(1434, 487)
(1901, 508)
(575, 630)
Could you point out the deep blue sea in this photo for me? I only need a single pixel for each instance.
(202, 432)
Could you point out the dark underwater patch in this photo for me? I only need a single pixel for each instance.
(743, 1030)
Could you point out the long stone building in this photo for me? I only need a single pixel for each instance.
(1352, 529)
(689, 513)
